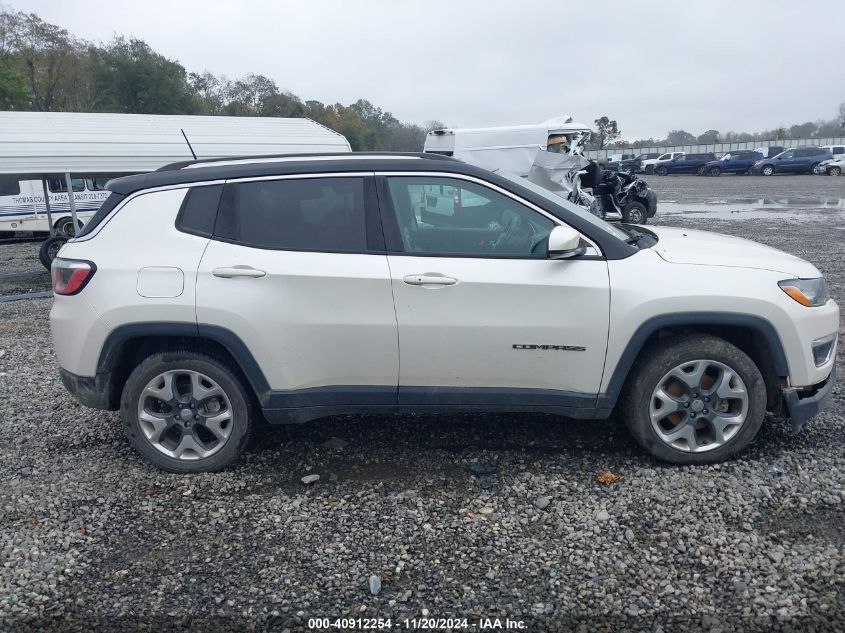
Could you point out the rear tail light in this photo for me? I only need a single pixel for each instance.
(71, 275)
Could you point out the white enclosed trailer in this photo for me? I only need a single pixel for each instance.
(43, 154)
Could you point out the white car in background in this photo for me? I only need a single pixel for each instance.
(649, 165)
(832, 166)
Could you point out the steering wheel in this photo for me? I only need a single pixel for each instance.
(507, 233)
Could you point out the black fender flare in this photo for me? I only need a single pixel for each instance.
(110, 352)
(690, 319)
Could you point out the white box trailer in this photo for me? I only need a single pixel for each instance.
(511, 148)
(39, 149)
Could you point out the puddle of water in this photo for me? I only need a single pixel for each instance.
(798, 208)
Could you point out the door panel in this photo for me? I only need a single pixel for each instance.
(288, 271)
(312, 320)
(486, 330)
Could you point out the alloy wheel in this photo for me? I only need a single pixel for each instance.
(698, 406)
(185, 414)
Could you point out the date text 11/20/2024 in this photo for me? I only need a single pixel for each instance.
(431, 624)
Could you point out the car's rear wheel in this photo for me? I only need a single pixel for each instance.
(715, 171)
(767, 170)
(661, 171)
(635, 213)
(186, 412)
(834, 171)
(694, 399)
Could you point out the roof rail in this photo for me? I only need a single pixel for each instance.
(268, 158)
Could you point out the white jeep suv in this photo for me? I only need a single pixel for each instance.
(206, 296)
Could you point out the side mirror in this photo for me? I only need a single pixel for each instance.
(564, 243)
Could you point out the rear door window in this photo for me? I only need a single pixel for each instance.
(308, 214)
(839, 149)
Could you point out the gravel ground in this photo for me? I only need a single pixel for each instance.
(20, 270)
(457, 516)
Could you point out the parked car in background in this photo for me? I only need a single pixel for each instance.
(637, 163)
(838, 151)
(634, 165)
(771, 151)
(738, 162)
(684, 164)
(615, 162)
(799, 160)
(649, 164)
(256, 289)
(832, 166)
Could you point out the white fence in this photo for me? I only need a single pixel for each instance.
(716, 148)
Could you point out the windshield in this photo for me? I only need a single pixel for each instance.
(562, 202)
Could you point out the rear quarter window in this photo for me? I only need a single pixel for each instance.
(199, 210)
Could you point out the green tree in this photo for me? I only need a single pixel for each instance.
(282, 104)
(607, 130)
(42, 57)
(209, 92)
(680, 137)
(710, 136)
(247, 95)
(130, 77)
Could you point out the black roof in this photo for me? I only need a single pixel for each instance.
(226, 168)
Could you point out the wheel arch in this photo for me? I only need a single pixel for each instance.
(752, 334)
(128, 345)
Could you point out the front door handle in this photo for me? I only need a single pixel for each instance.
(227, 272)
(429, 279)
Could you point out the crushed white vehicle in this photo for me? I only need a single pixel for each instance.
(551, 154)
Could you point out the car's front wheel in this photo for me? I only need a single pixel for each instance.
(715, 171)
(661, 171)
(767, 170)
(186, 412)
(834, 171)
(694, 399)
(699, 171)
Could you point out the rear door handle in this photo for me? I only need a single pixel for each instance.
(227, 272)
(429, 279)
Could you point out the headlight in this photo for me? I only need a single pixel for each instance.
(808, 292)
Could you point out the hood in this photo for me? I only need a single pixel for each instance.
(687, 246)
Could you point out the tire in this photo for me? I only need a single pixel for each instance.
(64, 226)
(699, 171)
(661, 171)
(813, 167)
(50, 248)
(649, 169)
(635, 213)
(715, 171)
(834, 171)
(767, 170)
(191, 446)
(640, 399)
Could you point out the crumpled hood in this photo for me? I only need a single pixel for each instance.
(687, 246)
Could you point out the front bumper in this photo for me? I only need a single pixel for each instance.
(95, 392)
(803, 404)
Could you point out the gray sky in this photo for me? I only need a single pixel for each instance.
(742, 65)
